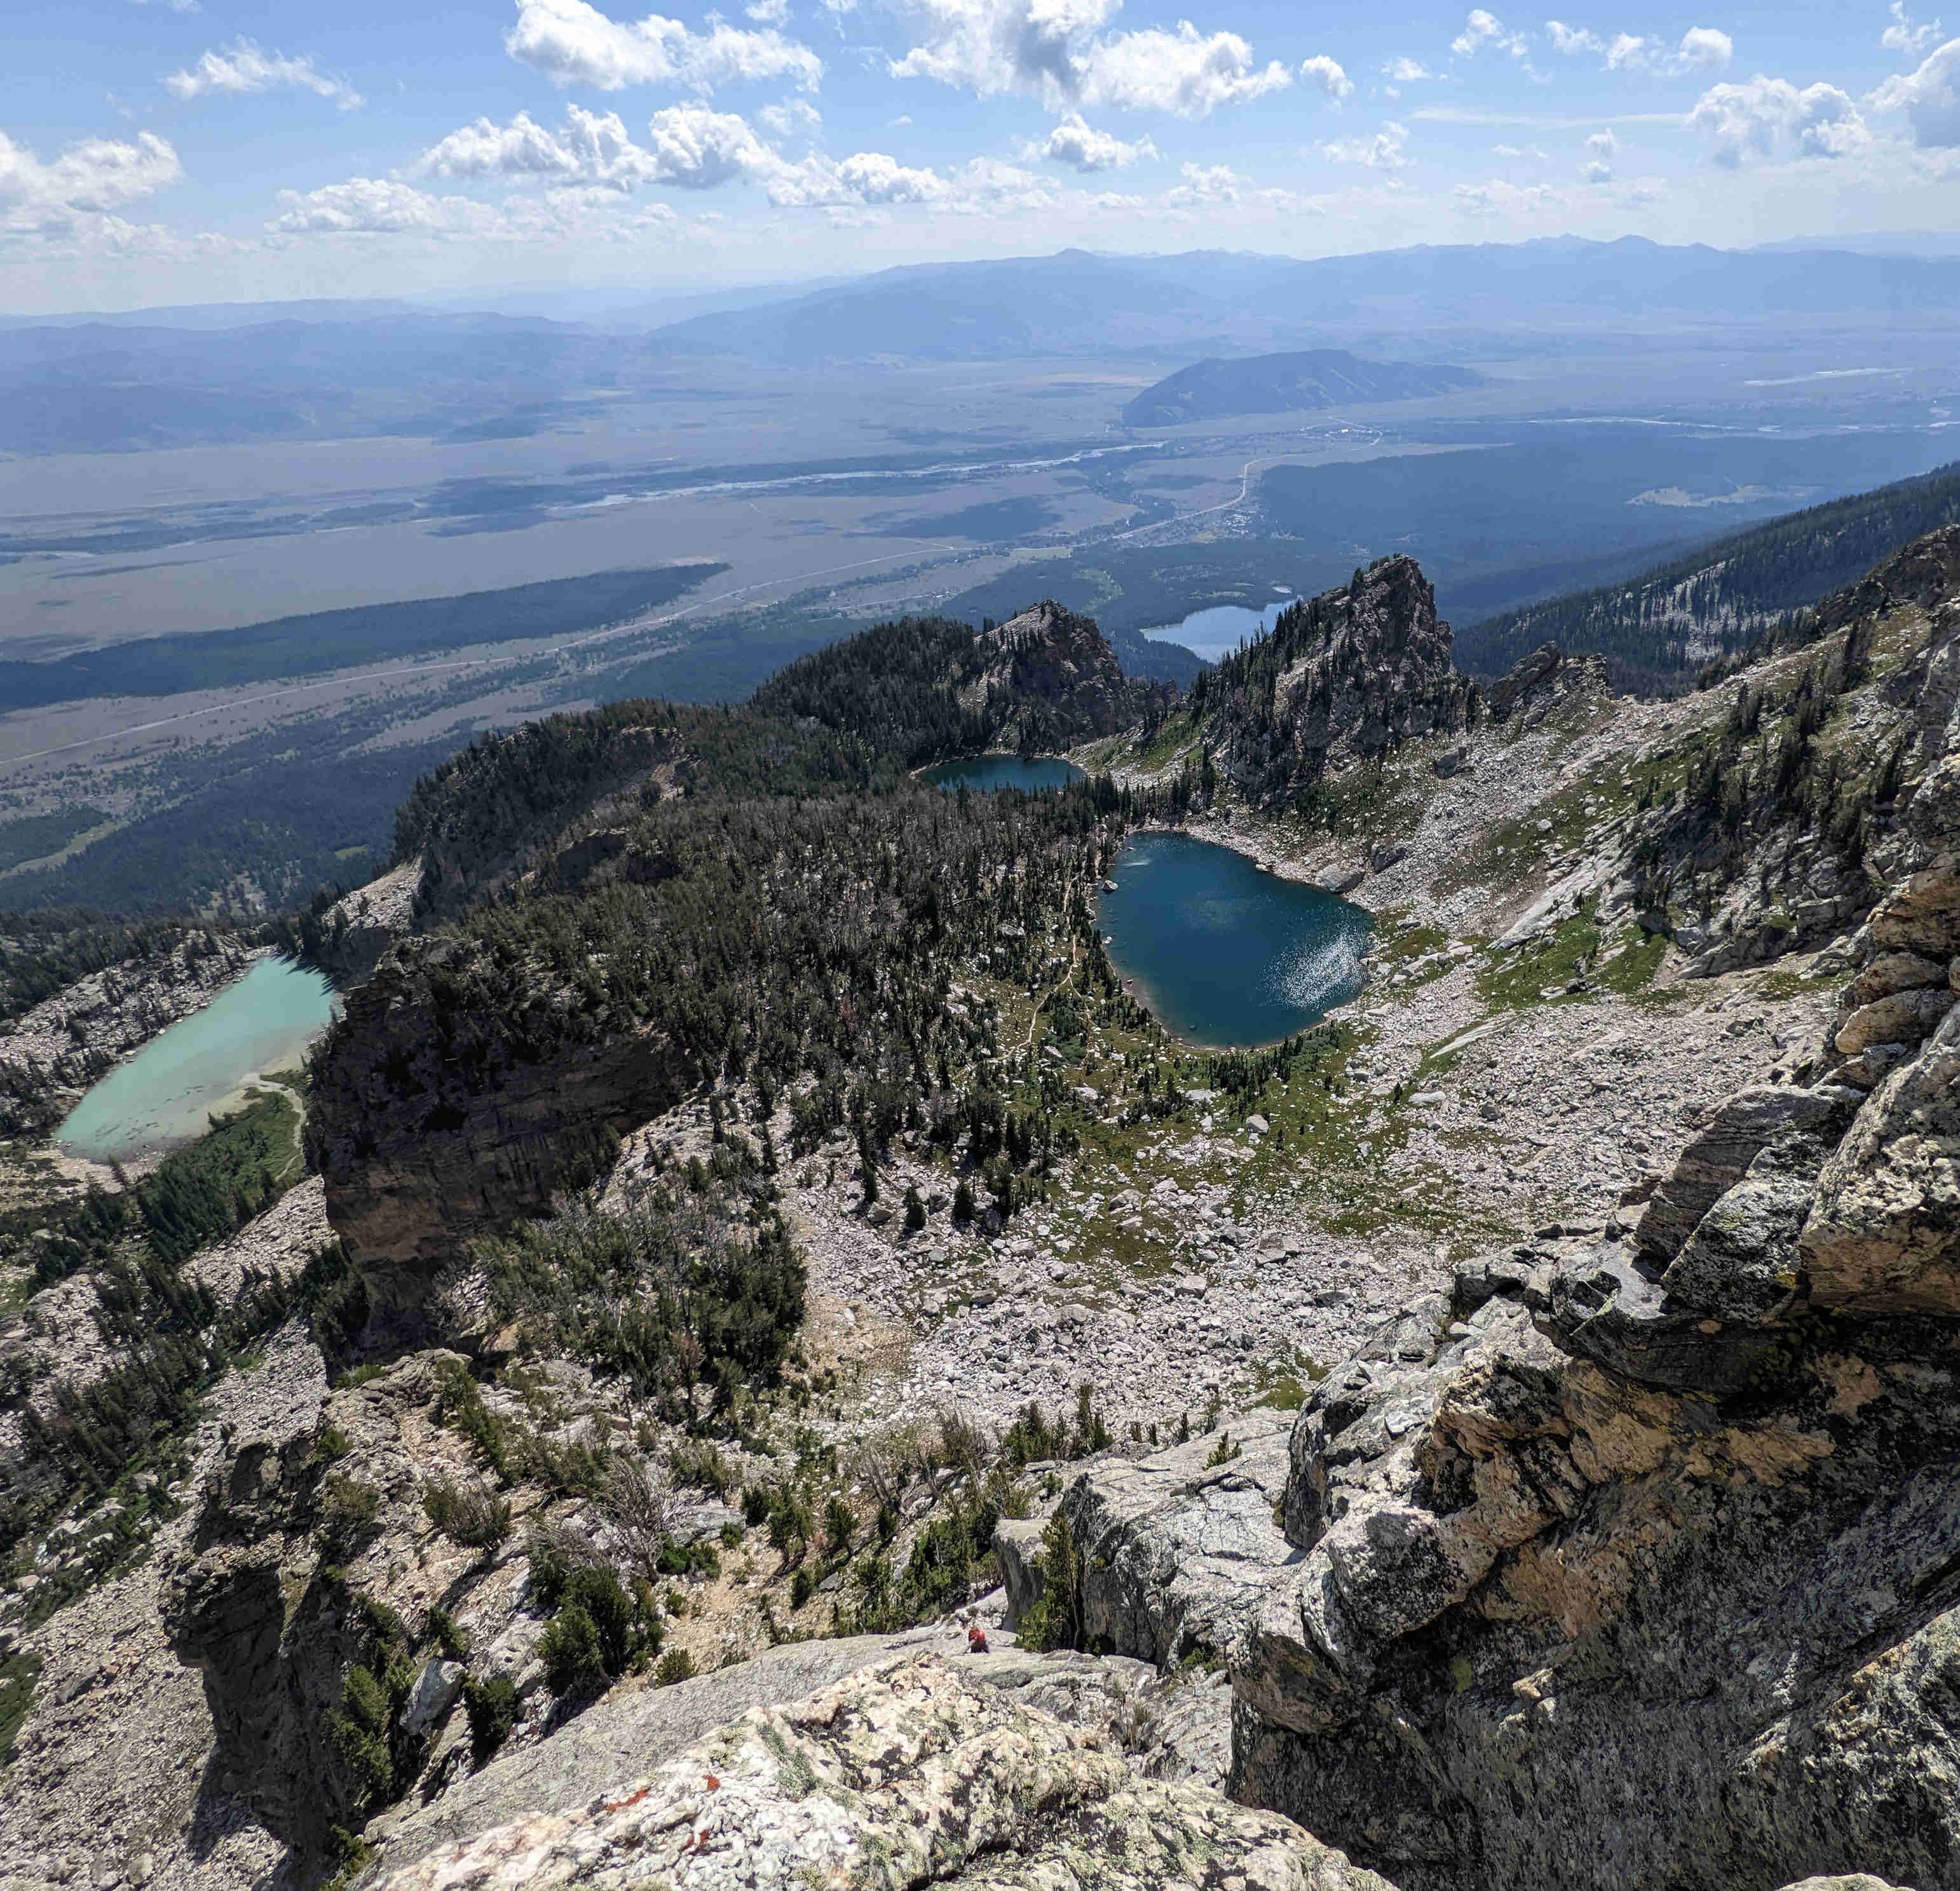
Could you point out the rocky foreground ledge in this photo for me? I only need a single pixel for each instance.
(916, 1772)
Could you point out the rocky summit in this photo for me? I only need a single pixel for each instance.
(753, 1358)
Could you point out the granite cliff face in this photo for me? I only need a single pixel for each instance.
(1340, 680)
(434, 1120)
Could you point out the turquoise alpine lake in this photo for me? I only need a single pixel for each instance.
(166, 1094)
(1223, 953)
(984, 774)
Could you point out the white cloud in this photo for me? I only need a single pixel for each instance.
(1384, 151)
(1326, 73)
(1598, 172)
(768, 13)
(573, 42)
(1929, 98)
(1404, 72)
(1484, 28)
(1186, 73)
(590, 148)
(865, 178)
(1599, 169)
(696, 148)
(383, 207)
(89, 178)
(1078, 144)
(243, 69)
(1057, 51)
(1205, 184)
(375, 206)
(1701, 50)
(1908, 35)
(1498, 198)
(1765, 118)
(1602, 144)
(794, 118)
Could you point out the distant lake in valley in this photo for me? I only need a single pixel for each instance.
(1218, 631)
(1224, 954)
(984, 774)
(165, 1096)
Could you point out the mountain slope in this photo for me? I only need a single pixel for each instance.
(1286, 383)
(1656, 630)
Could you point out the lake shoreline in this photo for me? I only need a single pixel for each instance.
(1223, 956)
(210, 1061)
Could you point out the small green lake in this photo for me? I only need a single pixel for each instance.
(985, 773)
(165, 1096)
(1224, 954)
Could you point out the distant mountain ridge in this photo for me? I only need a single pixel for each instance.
(1657, 629)
(1287, 383)
(1218, 303)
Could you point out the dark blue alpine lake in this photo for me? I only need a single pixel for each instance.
(984, 774)
(1224, 954)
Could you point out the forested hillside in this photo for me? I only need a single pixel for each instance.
(1658, 630)
(925, 688)
(482, 811)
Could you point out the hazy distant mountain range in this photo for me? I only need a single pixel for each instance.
(1075, 302)
(1287, 383)
(230, 373)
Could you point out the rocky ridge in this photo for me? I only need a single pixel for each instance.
(1342, 680)
(1061, 663)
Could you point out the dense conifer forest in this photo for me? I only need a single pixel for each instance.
(1658, 630)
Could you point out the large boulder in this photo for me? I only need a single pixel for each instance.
(1176, 1549)
(916, 1773)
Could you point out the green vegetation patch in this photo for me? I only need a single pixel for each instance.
(1534, 972)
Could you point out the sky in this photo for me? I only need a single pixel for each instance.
(156, 152)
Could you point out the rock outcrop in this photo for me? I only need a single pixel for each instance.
(1342, 678)
(914, 1774)
(433, 1120)
(1642, 1573)
(1123, 1704)
(1061, 666)
(1176, 1549)
(1535, 685)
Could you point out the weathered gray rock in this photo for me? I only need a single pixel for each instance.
(1717, 1158)
(1847, 1881)
(1884, 1234)
(1175, 1548)
(1649, 1587)
(1892, 972)
(1904, 1017)
(915, 1774)
(1742, 1262)
(619, 1737)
